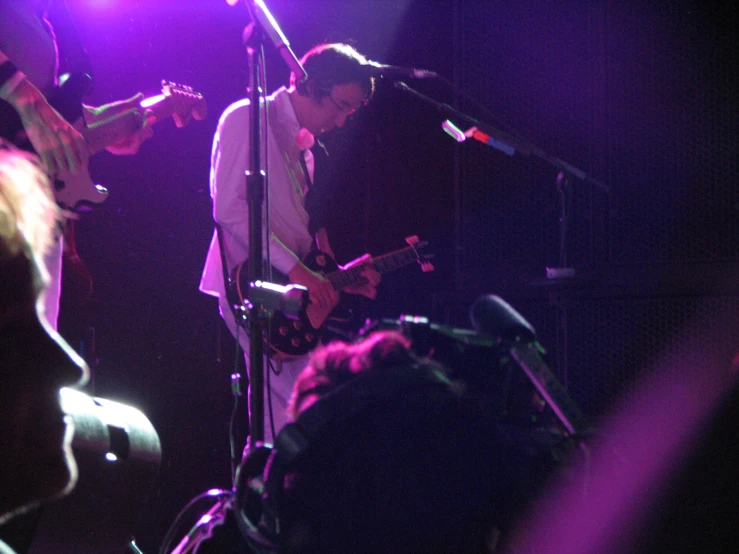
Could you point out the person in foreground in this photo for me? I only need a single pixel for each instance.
(402, 461)
(382, 453)
(35, 363)
(337, 86)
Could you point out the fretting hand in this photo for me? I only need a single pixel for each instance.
(130, 144)
(371, 278)
(322, 295)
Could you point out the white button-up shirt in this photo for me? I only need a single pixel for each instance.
(288, 239)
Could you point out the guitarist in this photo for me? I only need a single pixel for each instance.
(336, 87)
(30, 53)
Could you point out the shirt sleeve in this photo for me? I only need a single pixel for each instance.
(229, 159)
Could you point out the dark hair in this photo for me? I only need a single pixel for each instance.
(414, 470)
(333, 64)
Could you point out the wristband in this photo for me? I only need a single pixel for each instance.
(10, 77)
(7, 71)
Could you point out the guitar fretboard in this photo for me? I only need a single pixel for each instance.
(381, 264)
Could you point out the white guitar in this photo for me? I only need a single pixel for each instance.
(77, 190)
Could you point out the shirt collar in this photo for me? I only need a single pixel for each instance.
(302, 136)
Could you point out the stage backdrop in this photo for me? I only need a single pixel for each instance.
(641, 96)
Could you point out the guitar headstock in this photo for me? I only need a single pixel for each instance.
(186, 103)
(422, 252)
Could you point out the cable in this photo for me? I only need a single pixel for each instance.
(237, 392)
(167, 541)
(269, 371)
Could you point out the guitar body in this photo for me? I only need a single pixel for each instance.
(293, 337)
(77, 191)
(288, 336)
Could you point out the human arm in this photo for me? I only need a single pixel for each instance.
(321, 293)
(59, 145)
(323, 243)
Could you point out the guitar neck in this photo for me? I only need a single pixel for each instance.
(382, 264)
(102, 134)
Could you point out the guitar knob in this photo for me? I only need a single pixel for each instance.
(298, 325)
(309, 337)
(295, 342)
(284, 331)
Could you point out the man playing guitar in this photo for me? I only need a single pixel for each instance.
(337, 85)
(29, 67)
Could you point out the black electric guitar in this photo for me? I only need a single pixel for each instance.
(77, 190)
(293, 337)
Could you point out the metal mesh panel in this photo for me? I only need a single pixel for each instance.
(673, 108)
(616, 341)
(613, 342)
(641, 96)
(530, 65)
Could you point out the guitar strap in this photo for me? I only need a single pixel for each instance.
(318, 200)
(227, 281)
(309, 197)
(304, 165)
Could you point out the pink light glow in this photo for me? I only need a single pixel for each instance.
(639, 449)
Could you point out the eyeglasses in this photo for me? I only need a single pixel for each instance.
(345, 108)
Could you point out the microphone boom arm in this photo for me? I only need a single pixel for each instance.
(503, 141)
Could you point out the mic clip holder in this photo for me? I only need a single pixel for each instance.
(263, 298)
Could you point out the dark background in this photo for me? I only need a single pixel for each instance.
(640, 95)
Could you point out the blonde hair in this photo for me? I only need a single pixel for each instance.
(28, 213)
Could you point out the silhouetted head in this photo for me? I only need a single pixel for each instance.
(36, 463)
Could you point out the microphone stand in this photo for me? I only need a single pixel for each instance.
(262, 297)
(511, 145)
(255, 182)
(263, 28)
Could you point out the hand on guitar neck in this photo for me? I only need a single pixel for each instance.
(321, 293)
(121, 127)
(130, 144)
(367, 285)
(43, 127)
(323, 278)
(61, 145)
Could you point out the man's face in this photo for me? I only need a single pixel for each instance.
(36, 462)
(331, 111)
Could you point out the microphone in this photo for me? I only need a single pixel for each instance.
(376, 69)
(492, 315)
